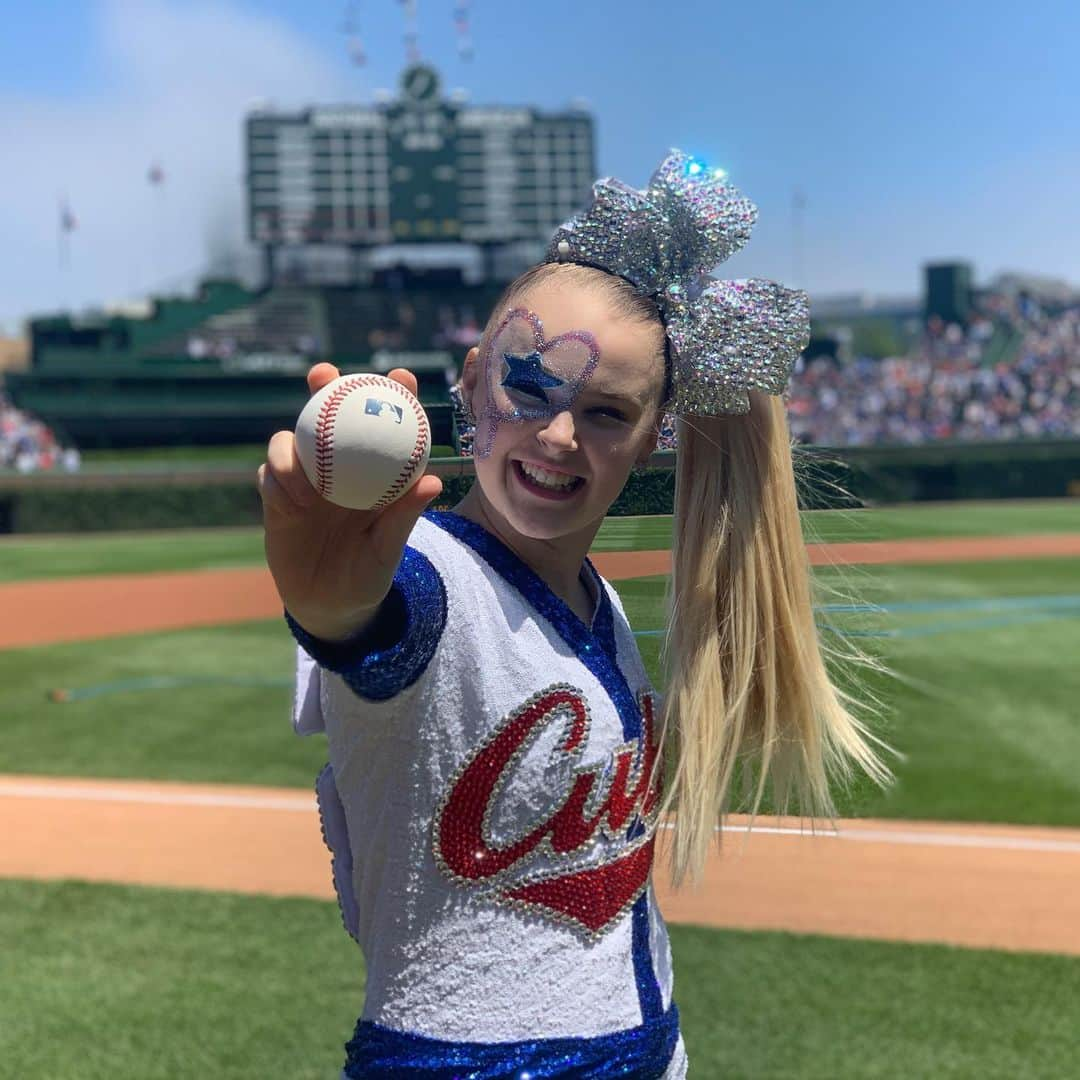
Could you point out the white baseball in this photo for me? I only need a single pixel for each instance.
(363, 441)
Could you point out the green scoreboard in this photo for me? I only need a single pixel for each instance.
(415, 169)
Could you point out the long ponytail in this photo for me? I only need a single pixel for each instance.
(747, 685)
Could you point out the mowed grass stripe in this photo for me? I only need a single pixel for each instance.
(224, 733)
(235, 987)
(27, 558)
(41, 557)
(897, 523)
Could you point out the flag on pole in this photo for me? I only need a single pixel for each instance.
(68, 222)
(351, 28)
(461, 25)
(412, 37)
(156, 174)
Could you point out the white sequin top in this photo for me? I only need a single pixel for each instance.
(487, 804)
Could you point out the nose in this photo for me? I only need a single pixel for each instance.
(559, 432)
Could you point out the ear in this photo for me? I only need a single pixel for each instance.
(470, 371)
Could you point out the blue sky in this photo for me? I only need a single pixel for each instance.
(916, 132)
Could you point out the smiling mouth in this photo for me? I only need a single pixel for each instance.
(546, 483)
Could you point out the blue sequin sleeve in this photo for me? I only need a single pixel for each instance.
(390, 656)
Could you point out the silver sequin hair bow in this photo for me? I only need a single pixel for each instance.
(727, 337)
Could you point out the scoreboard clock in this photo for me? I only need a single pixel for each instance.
(420, 84)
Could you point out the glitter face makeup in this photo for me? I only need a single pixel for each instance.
(528, 377)
(561, 422)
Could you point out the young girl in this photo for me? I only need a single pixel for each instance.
(496, 748)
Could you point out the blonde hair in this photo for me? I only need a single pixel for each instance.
(748, 689)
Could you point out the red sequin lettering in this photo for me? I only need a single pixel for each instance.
(591, 897)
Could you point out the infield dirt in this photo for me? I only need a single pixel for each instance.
(990, 886)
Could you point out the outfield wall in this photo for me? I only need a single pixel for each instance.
(158, 496)
(947, 471)
(178, 405)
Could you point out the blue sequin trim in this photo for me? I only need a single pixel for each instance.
(643, 1053)
(604, 623)
(648, 987)
(596, 650)
(379, 674)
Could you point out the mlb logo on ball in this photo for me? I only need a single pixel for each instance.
(378, 407)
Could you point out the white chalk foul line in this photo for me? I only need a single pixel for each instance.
(928, 839)
(306, 804)
(14, 789)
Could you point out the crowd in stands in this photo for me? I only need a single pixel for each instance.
(27, 445)
(942, 390)
(945, 391)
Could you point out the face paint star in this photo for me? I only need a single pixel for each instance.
(527, 374)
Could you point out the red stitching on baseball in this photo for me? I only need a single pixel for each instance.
(324, 430)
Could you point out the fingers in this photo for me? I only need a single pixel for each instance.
(405, 377)
(425, 489)
(282, 480)
(323, 373)
(413, 503)
(274, 499)
(320, 375)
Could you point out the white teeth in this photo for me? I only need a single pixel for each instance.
(558, 481)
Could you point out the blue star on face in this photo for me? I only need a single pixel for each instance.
(526, 374)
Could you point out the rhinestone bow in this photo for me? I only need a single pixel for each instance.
(727, 337)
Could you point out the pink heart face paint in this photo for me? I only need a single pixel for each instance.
(528, 377)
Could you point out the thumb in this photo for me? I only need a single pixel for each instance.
(391, 531)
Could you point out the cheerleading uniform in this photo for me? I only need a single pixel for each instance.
(487, 806)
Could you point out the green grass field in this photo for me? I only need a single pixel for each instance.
(114, 983)
(982, 700)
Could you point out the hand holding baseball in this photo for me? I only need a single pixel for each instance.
(333, 566)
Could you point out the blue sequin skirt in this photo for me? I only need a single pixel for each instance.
(642, 1053)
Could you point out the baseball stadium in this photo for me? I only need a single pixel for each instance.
(169, 908)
